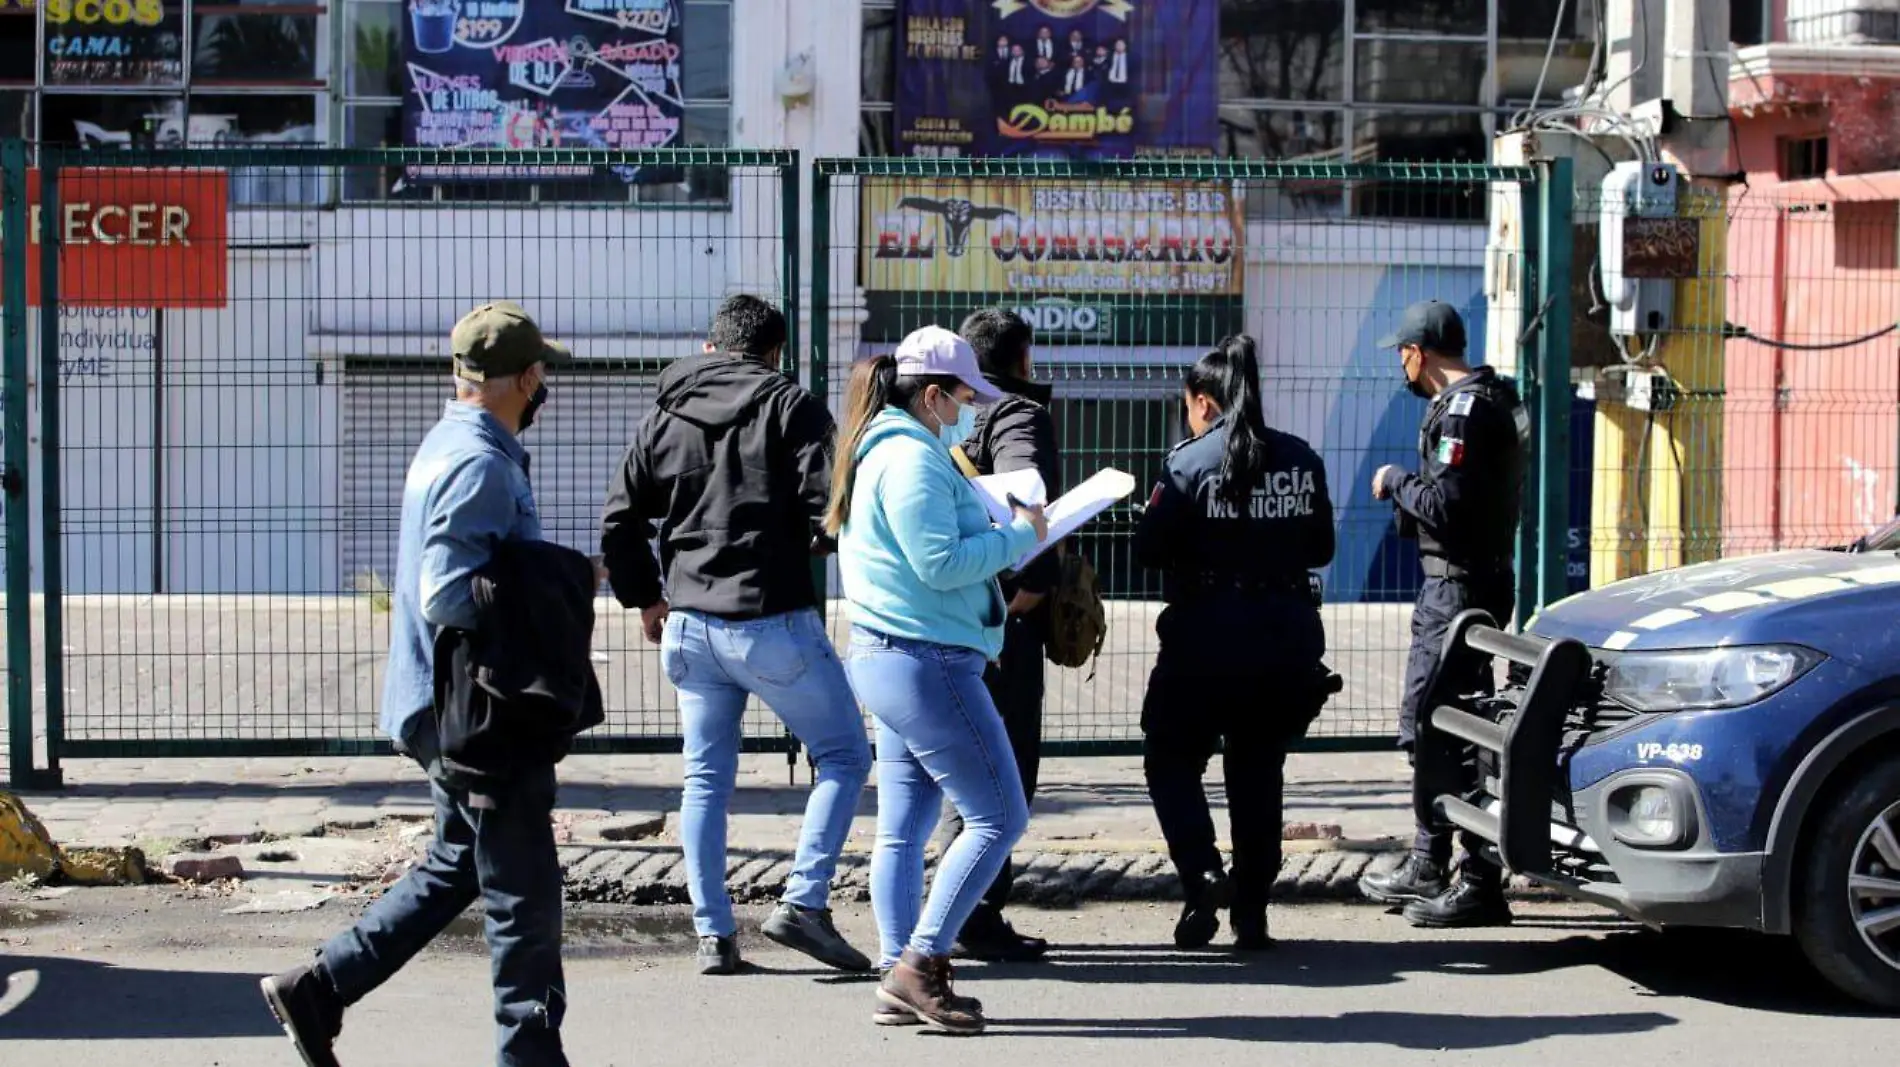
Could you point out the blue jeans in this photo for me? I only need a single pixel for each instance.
(788, 662)
(938, 736)
(505, 856)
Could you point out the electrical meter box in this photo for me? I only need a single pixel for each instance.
(1640, 301)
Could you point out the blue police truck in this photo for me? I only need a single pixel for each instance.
(1717, 745)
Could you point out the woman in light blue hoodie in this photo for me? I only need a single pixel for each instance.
(919, 557)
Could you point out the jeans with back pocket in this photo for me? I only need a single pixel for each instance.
(938, 736)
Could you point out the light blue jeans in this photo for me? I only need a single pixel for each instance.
(938, 735)
(788, 662)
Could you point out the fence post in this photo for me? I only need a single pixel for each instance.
(52, 570)
(819, 380)
(14, 243)
(1529, 346)
(1556, 231)
(789, 253)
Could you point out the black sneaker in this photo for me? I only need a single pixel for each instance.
(718, 955)
(811, 931)
(988, 937)
(1200, 915)
(310, 1012)
(1418, 878)
(1464, 904)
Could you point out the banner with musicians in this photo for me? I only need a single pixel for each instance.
(1057, 79)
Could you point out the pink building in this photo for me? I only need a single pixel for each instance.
(1813, 437)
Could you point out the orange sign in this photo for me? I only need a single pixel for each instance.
(134, 237)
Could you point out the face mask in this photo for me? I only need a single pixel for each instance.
(954, 434)
(1413, 385)
(539, 398)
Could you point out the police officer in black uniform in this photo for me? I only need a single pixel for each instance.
(1463, 508)
(1236, 523)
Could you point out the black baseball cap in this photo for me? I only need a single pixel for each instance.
(499, 339)
(1432, 325)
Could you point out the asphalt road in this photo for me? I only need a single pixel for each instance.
(141, 976)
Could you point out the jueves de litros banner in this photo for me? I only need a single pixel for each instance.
(1065, 79)
(541, 74)
(1084, 261)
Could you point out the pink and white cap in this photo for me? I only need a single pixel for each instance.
(935, 350)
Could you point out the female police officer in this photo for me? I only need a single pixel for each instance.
(1238, 519)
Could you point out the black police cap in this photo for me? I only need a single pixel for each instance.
(1432, 325)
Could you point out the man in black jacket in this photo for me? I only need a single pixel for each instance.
(1015, 433)
(733, 467)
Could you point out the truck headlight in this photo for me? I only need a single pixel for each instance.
(1705, 678)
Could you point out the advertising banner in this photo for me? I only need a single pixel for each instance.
(114, 42)
(135, 238)
(601, 74)
(1064, 79)
(1089, 261)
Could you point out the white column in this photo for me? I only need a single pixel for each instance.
(758, 121)
(769, 35)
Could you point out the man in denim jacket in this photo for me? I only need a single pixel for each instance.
(467, 492)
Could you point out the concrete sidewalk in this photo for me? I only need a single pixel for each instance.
(1093, 835)
(1102, 802)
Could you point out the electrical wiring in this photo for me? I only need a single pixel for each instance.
(1743, 333)
(1569, 118)
(1642, 57)
(1550, 54)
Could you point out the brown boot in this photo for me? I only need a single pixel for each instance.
(920, 985)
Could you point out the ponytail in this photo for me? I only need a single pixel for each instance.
(867, 393)
(1230, 376)
(874, 386)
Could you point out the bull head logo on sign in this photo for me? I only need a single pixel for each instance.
(959, 215)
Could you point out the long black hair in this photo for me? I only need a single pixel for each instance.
(1230, 377)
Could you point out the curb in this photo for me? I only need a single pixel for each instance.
(656, 874)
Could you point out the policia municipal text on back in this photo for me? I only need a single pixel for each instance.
(1463, 508)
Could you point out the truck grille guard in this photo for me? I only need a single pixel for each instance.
(1521, 735)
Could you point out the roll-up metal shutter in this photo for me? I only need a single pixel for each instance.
(574, 446)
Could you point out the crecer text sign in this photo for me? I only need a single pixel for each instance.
(134, 237)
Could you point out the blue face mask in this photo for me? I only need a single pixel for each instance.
(954, 434)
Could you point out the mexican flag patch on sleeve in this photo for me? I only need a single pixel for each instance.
(1451, 451)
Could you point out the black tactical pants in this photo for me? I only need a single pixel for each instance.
(1440, 600)
(1251, 720)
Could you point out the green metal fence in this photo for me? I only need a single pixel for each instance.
(1129, 270)
(249, 344)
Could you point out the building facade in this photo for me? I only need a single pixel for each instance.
(1813, 443)
(258, 447)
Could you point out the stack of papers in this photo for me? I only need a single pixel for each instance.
(1066, 515)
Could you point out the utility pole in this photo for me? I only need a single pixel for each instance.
(1657, 497)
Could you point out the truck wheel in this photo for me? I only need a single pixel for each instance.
(1847, 916)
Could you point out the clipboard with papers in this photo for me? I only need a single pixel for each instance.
(1066, 514)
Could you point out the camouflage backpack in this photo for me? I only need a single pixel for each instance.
(1078, 621)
